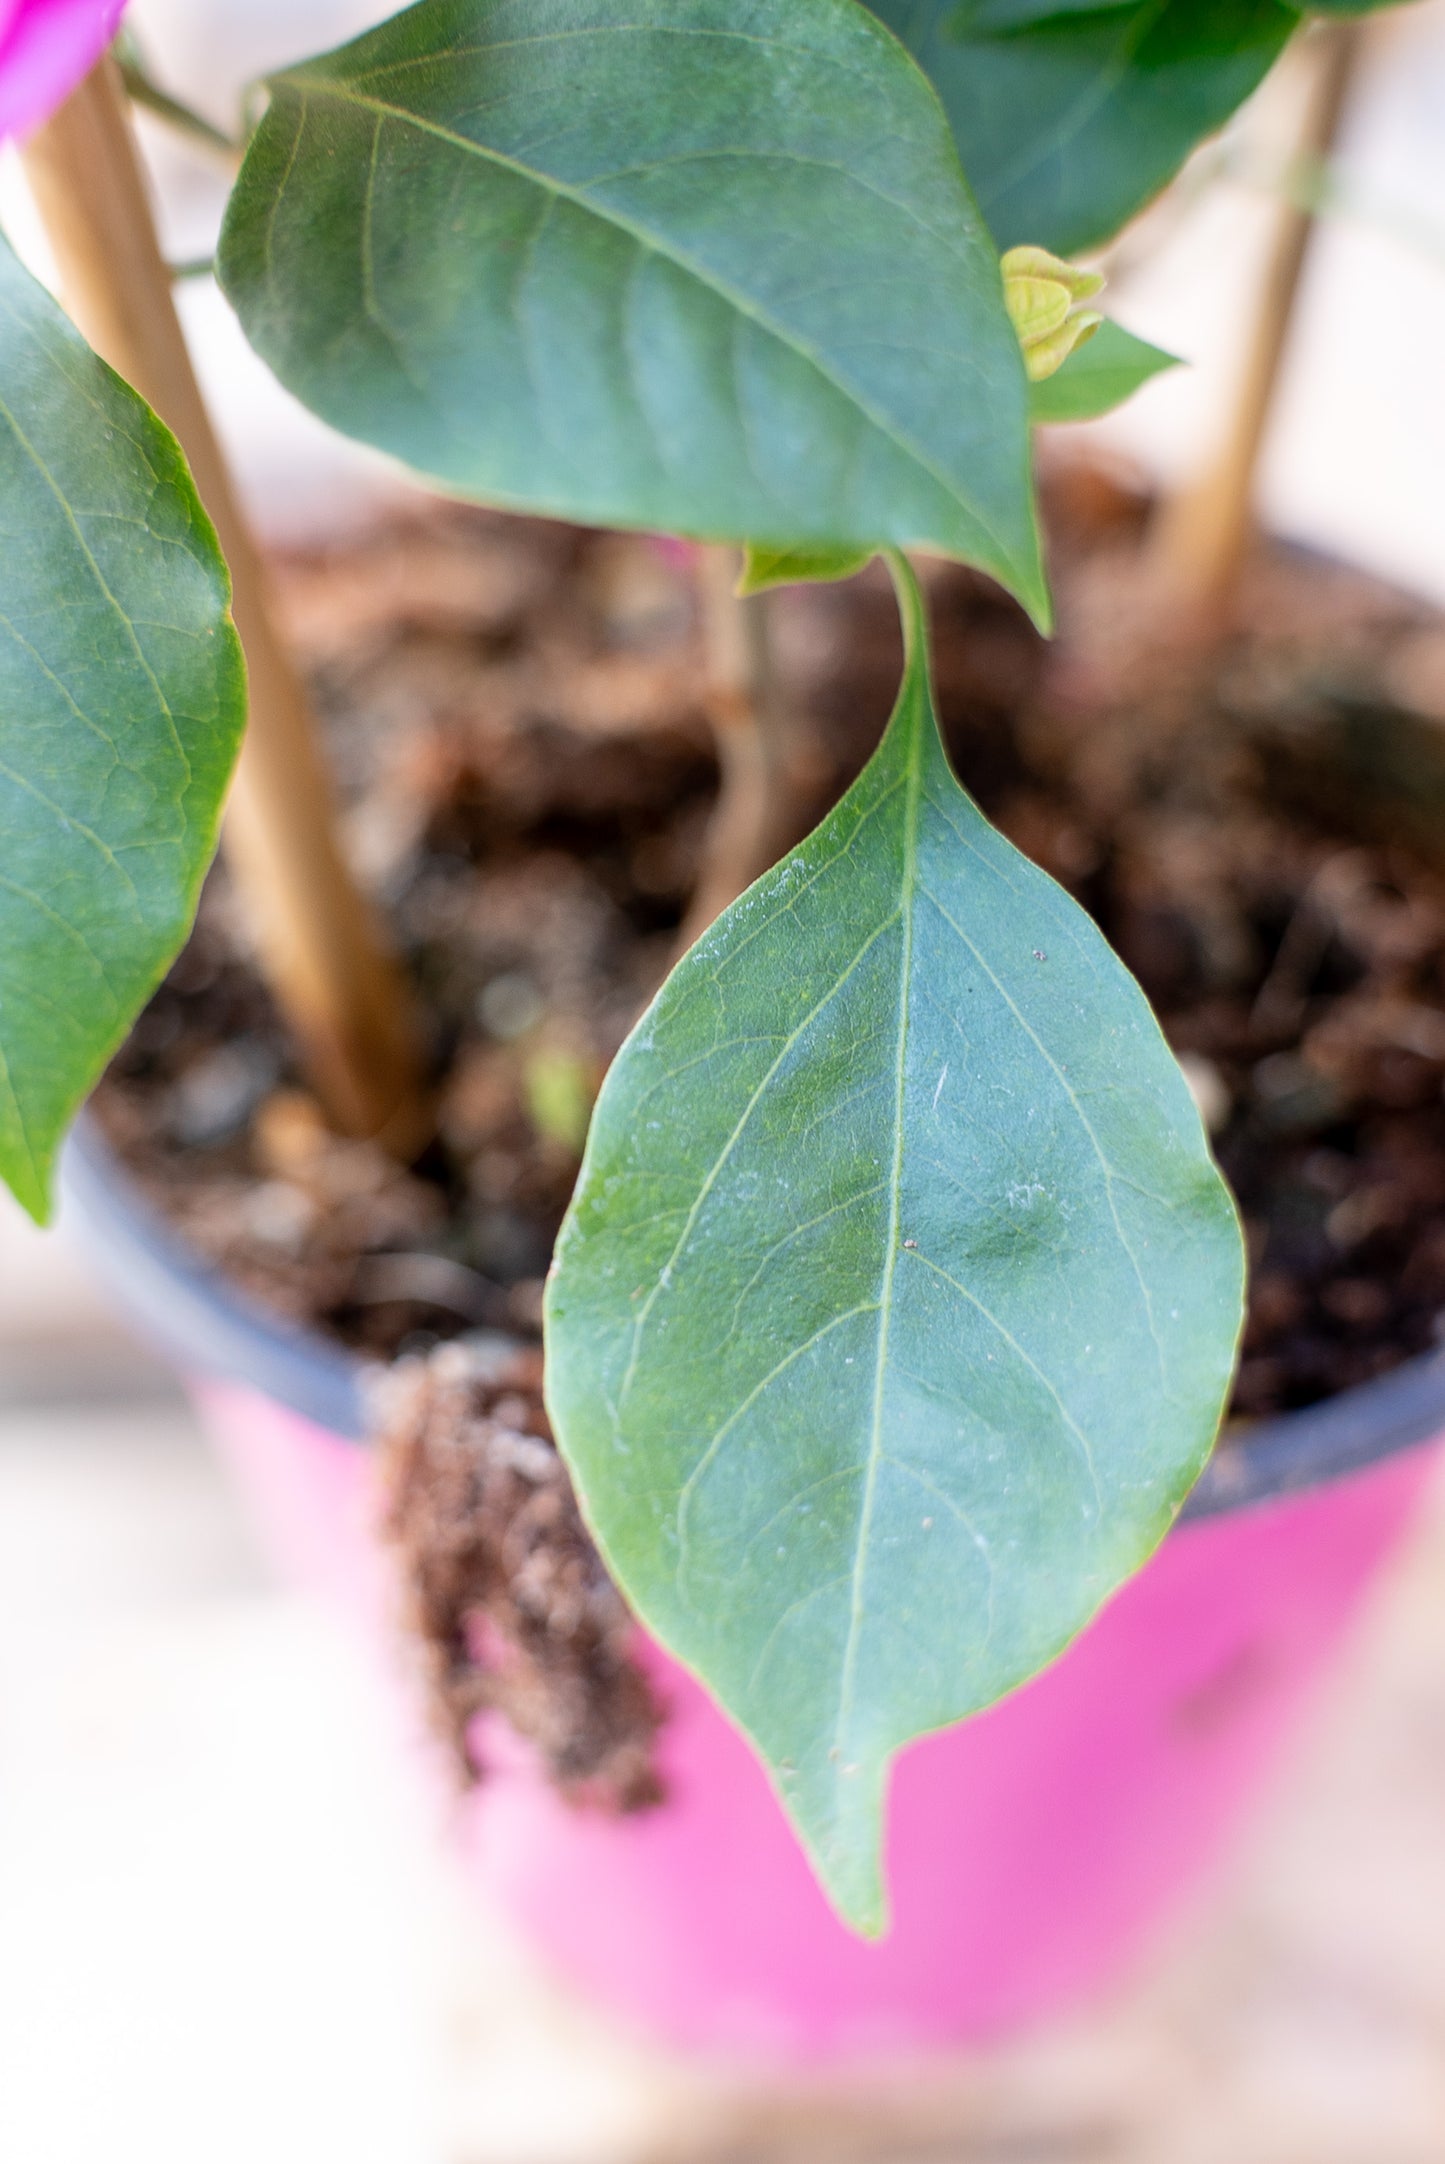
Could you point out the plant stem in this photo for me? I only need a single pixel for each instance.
(184, 119)
(750, 825)
(1205, 530)
(319, 946)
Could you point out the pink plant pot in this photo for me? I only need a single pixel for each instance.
(1033, 1852)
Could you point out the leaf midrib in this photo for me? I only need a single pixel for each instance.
(911, 807)
(304, 87)
(715, 1171)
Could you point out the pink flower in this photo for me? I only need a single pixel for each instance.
(45, 48)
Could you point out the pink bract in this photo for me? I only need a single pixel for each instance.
(46, 46)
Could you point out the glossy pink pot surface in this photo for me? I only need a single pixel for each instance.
(1032, 1852)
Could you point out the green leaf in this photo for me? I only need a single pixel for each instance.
(1068, 124)
(1098, 376)
(991, 15)
(654, 263)
(559, 1089)
(763, 568)
(122, 701)
(894, 1313)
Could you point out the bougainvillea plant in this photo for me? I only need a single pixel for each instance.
(896, 1308)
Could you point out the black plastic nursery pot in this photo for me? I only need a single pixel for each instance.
(1032, 1851)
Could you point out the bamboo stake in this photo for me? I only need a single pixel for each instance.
(1205, 530)
(749, 827)
(319, 945)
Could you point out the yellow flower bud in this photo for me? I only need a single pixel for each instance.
(1039, 292)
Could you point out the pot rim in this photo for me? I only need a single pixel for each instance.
(210, 1328)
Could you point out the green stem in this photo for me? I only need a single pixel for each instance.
(754, 819)
(143, 91)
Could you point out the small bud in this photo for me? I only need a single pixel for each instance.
(1049, 354)
(1080, 285)
(1039, 292)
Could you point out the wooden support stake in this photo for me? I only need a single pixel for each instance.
(749, 826)
(1205, 530)
(319, 944)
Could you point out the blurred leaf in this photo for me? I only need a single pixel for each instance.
(1098, 376)
(1067, 123)
(560, 1091)
(122, 701)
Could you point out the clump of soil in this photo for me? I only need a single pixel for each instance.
(507, 1597)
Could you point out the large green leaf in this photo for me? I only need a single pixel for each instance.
(894, 1313)
(1098, 375)
(703, 265)
(1069, 121)
(122, 700)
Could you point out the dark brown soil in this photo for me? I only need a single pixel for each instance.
(506, 1596)
(517, 723)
